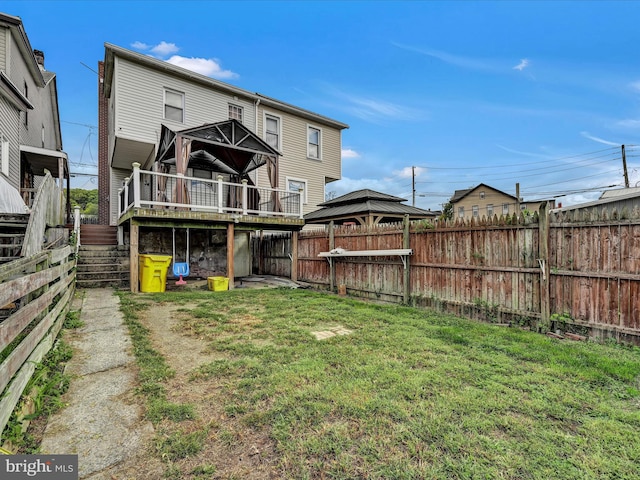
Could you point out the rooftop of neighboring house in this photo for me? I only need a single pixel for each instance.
(460, 194)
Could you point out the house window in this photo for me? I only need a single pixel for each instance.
(475, 211)
(523, 206)
(314, 136)
(297, 184)
(4, 155)
(235, 112)
(461, 212)
(272, 133)
(505, 209)
(481, 195)
(490, 210)
(42, 136)
(174, 105)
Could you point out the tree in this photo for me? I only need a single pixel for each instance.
(87, 200)
(447, 211)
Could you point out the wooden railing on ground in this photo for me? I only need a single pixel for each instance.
(35, 295)
(47, 211)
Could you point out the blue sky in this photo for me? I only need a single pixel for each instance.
(540, 93)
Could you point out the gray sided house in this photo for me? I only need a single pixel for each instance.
(366, 207)
(181, 151)
(30, 135)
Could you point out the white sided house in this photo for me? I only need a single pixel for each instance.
(181, 151)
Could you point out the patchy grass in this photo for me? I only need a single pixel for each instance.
(408, 394)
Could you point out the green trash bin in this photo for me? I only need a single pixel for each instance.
(153, 272)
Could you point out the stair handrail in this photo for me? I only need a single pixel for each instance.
(45, 210)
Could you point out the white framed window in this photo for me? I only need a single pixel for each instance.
(523, 206)
(297, 184)
(481, 195)
(235, 112)
(505, 208)
(475, 211)
(314, 142)
(273, 131)
(4, 155)
(490, 210)
(173, 105)
(461, 212)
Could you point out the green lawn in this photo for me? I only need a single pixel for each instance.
(410, 393)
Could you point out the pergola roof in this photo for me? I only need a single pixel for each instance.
(357, 206)
(227, 147)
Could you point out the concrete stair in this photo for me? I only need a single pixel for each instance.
(102, 266)
(12, 230)
(98, 235)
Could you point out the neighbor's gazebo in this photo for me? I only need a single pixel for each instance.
(366, 207)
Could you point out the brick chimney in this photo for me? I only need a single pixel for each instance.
(39, 54)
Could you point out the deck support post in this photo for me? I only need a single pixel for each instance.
(134, 231)
(230, 252)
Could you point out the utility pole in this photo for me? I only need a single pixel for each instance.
(624, 168)
(517, 198)
(413, 183)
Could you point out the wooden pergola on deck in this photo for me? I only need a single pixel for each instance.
(156, 198)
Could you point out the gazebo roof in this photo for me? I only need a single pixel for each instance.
(227, 147)
(366, 203)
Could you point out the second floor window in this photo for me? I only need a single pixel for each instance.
(272, 131)
(461, 212)
(475, 211)
(505, 208)
(174, 105)
(235, 112)
(490, 210)
(313, 147)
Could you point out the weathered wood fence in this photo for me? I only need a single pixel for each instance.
(548, 271)
(35, 294)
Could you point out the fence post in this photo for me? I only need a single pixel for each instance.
(301, 201)
(220, 196)
(543, 259)
(332, 268)
(294, 256)
(406, 242)
(136, 184)
(76, 226)
(245, 196)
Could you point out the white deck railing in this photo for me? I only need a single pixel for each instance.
(146, 189)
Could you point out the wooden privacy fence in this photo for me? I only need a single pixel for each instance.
(35, 294)
(548, 271)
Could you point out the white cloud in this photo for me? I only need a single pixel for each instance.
(408, 172)
(458, 61)
(598, 139)
(349, 153)
(371, 109)
(140, 46)
(524, 63)
(163, 49)
(204, 66)
(628, 123)
(635, 85)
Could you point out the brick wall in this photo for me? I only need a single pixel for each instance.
(103, 151)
